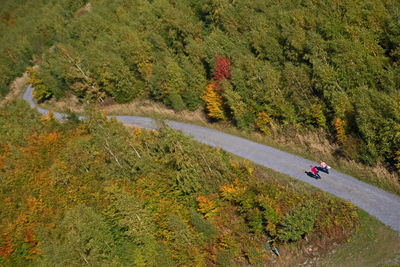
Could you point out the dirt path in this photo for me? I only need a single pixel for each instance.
(379, 203)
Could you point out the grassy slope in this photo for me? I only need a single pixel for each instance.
(373, 245)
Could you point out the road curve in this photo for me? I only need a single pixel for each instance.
(377, 202)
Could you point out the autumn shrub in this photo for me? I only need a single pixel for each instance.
(284, 214)
(263, 121)
(337, 217)
(207, 206)
(271, 213)
(123, 95)
(246, 200)
(181, 240)
(7, 246)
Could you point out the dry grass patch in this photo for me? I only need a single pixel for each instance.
(138, 107)
(68, 103)
(311, 141)
(147, 107)
(376, 175)
(17, 87)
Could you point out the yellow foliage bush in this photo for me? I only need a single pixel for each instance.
(214, 103)
(263, 121)
(231, 191)
(207, 206)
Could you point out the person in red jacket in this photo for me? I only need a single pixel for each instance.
(315, 172)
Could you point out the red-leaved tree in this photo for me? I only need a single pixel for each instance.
(222, 71)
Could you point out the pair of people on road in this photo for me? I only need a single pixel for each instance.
(315, 170)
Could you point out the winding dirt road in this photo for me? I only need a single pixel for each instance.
(379, 203)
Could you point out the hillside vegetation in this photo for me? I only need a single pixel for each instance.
(317, 64)
(97, 193)
(27, 29)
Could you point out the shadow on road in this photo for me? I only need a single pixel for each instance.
(310, 174)
(323, 170)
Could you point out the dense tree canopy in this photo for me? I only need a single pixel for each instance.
(303, 63)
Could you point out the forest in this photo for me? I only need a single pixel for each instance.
(97, 193)
(331, 65)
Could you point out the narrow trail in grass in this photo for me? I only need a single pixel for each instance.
(379, 203)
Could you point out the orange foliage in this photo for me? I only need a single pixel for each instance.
(137, 131)
(207, 206)
(164, 207)
(340, 130)
(214, 103)
(29, 237)
(35, 250)
(21, 220)
(4, 153)
(34, 204)
(6, 246)
(8, 201)
(231, 191)
(11, 21)
(42, 142)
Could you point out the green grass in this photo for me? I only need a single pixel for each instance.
(373, 245)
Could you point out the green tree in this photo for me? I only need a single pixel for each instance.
(83, 237)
